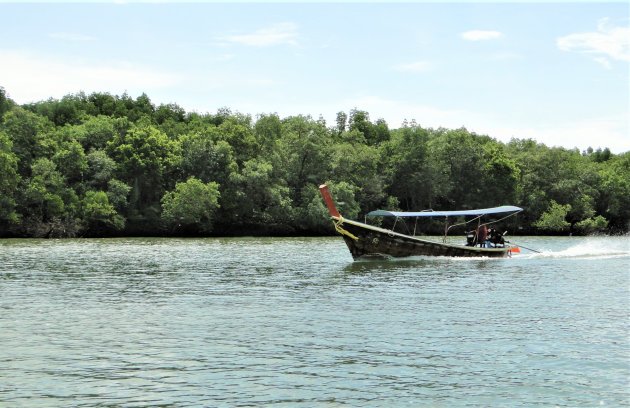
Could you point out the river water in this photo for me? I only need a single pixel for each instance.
(296, 323)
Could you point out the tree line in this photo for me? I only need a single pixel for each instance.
(109, 165)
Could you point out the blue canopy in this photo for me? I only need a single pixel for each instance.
(482, 211)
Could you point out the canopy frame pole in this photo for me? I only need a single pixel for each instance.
(465, 222)
(445, 229)
(479, 223)
(507, 216)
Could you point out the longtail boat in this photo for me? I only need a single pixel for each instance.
(367, 241)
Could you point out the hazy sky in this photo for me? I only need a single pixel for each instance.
(558, 73)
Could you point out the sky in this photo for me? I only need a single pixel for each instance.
(558, 73)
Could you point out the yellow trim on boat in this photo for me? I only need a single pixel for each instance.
(343, 231)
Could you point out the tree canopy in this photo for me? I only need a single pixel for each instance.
(103, 165)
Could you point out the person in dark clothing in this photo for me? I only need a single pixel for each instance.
(471, 238)
(496, 238)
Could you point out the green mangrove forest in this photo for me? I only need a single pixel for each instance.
(106, 165)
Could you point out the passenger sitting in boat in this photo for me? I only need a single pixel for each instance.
(470, 238)
(482, 235)
(496, 238)
(490, 238)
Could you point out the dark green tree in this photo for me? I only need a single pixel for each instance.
(145, 158)
(554, 219)
(9, 181)
(99, 214)
(412, 176)
(458, 155)
(256, 198)
(374, 134)
(100, 169)
(305, 149)
(207, 159)
(26, 130)
(48, 206)
(5, 103)
(614, 191)
(192, 204)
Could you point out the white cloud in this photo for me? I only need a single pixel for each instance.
(604, 62)
(608, 42)
(71, 37)
(506, 56)
(28, 77)
(418, 66)
(224, 57)
(611, 132)
(395, 112)
(481, 35)
(278, 34)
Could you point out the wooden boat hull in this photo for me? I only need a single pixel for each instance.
(366, 241)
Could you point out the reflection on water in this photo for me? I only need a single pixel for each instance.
(255, 322)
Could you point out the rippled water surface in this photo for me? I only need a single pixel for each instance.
(294, 322)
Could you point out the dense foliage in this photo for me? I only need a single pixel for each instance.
(99, 165)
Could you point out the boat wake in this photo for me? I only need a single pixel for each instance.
(587, 250)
